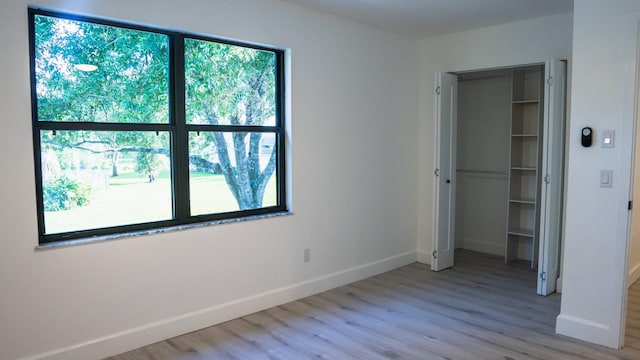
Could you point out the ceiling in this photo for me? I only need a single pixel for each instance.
(423, 18)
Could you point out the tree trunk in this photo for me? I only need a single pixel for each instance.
(245, 180)
(114, 163)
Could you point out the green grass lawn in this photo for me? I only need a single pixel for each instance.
(131, 199)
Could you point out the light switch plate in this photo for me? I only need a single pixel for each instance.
(606, 178)
(608, 138)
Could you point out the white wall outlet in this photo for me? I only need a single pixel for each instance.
(307, 255)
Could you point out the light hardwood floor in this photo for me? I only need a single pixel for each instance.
(480, 309)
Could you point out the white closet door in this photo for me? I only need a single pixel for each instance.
(552, 176)
(444, 221)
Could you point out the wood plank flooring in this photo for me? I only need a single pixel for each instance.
(480, 309)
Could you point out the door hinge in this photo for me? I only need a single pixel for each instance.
(438, 90)
(547, 179)
(630, 205)
(436, 172)
(543, 275)
(550, 80)
(434, 254)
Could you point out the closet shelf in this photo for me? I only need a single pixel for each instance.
(521, 232)
(482, 173)
(523, 201)
(522, 168)
(527, 95)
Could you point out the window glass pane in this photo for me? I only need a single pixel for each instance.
(231, 171)
(101, 179)
(229, 85)
(96, 73)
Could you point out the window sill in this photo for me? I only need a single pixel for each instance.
(105, 238)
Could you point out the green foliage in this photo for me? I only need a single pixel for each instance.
(64, 193)
(228, 84)
(130, 85)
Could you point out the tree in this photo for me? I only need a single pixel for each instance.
(233, 85)
(225, 84)
(147, 164)
(129, 85)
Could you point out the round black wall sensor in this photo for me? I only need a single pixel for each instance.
(587, 136)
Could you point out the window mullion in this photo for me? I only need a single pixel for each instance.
(180, 143)
(281, 169)
(232, 128)
(94, 126)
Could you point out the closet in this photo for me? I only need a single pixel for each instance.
(499, 165)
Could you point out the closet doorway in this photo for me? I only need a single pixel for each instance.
(499, 166)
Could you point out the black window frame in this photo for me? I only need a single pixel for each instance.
(177, 128)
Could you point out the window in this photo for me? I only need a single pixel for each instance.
(137, 128)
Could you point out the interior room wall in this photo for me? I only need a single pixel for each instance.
(605, 38)
(518, 43)
(353, 149)
(634, 247)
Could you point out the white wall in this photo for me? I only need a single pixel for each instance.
(634, 249)
(524, 42)
(354, 103)
(604, 53)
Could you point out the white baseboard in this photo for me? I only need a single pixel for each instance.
(424, 257)
(481, 246)
(586, 330)
(634, 274)
(181, 324)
